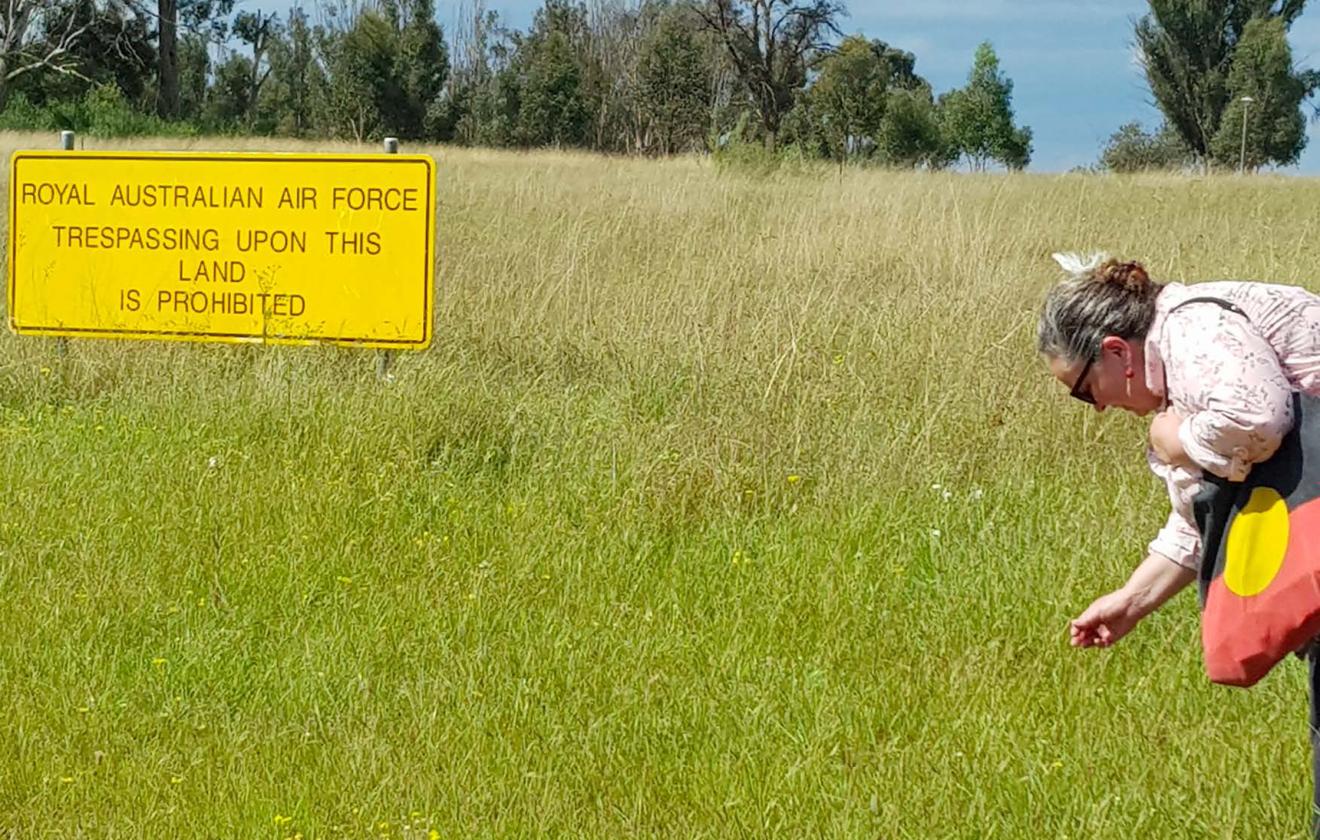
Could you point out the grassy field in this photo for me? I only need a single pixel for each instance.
(721, 506)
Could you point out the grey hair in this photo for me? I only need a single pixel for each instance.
(1102, 297)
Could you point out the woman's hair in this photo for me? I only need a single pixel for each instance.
(1101, 297)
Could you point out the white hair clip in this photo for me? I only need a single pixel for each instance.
(1079, 266)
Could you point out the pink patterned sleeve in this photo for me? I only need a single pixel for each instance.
(1178, 540)
(1236, 401)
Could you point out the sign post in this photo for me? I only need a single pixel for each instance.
(262, 248)
(384, 358)
(62, 343)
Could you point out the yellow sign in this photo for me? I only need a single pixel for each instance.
(278, 248)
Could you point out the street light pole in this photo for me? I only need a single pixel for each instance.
(1242, 158)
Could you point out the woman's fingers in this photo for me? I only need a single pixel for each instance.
(1082, 635)
(1090, 631)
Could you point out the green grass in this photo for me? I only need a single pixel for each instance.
(647, 544)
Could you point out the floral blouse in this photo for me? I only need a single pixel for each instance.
(1232, 379)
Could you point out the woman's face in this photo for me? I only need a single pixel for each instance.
(1115, 379)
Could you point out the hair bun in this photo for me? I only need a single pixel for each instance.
(1129, 276)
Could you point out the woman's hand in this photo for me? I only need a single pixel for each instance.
(1108, 619)
(1164, 439)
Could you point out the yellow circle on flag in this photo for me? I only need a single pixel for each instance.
(1257, 541)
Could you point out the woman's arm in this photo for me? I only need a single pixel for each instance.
(1110, 617)
(1171, 563)
(1235, 400)
(1165, 441)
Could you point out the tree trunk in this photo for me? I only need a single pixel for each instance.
(167, 96)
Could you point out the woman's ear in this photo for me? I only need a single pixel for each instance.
(1119, 348)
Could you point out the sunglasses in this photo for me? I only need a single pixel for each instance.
(1076, 391)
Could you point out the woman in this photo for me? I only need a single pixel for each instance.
(1220, 381)
(1218, 364)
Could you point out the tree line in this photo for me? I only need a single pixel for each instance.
(650, 77)
(763, 78)
(1222, 74)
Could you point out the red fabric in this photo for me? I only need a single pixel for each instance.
(1243, 638)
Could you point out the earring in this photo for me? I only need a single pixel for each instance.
(1128, 374)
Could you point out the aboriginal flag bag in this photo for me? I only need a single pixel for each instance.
(1260, 555)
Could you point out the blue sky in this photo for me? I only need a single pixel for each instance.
(1071, 61)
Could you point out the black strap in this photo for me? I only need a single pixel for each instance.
(1212, 506)
(1220, 302)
